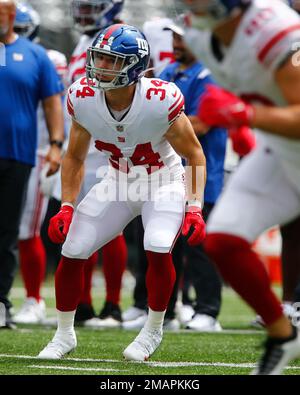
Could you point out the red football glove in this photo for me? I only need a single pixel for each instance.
(193, 218)
(219, 107)
(60, 223)
(243, 140)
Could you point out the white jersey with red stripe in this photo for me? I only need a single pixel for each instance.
(139, 136)
(60, 62)
(78, 59)
(76, 70)
(263, 41)
(160, 41)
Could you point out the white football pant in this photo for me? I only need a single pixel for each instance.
(264, 191)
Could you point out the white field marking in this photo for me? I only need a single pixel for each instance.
(223, 331)
(152, 363)
(54, 367)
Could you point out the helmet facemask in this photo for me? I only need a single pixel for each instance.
(121, 65)
(87, 15)
(208, 14)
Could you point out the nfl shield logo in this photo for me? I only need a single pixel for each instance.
(120, 128)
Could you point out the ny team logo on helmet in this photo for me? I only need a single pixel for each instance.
(27, 21)
(130, 52)
(92, 15)
(214, 11)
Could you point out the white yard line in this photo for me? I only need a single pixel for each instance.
(54, 367)
(152, 363)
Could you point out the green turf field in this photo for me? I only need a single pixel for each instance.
(99, 352)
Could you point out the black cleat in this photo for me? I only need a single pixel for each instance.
(109, 317)
(83, 313)
(111, 310)
(278, 353)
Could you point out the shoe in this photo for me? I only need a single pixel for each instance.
(6, 321)
(278, 353)
(60, 345)
(108, 322)
(138, 323)
(50, 321)
(171, 324)
(143, 345)
(133, 313)
(83, 313)
(204, 323)
(185, 313)
(32, 312)
(109, 317)
(288, 310)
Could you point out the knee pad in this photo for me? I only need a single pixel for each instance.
(159, 241)
(80, 242)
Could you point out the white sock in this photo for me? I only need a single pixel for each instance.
(65, 321)
(155, 319)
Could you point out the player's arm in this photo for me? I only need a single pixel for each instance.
(222, 108)
(182, 138)
(73, 162)
(54, 117)
(284, 121)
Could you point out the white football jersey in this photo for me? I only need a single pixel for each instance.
(160, 42)
(78, 59)
(60, 62)
(139, 136)
(76, 70)
(265, 38)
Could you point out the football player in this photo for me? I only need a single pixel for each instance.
(31, 249)
(90, 16)
(140, 125)
(248, 45)
(160, 41)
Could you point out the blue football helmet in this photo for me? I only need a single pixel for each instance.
(128, 52)
(92, 15)
(212, 12)
(27, 21)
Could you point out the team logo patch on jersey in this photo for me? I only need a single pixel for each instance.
(121, 139)
(18, 57)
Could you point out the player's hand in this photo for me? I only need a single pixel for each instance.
(219, 107)
(54, 158)
(243, 140)
(193, 219)
(60, 223)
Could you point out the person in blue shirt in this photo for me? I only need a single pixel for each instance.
(191, 77)
(27, 77)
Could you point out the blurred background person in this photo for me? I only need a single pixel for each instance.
(191, 77)
(28, 78)
(32, 254)
(249, 46)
